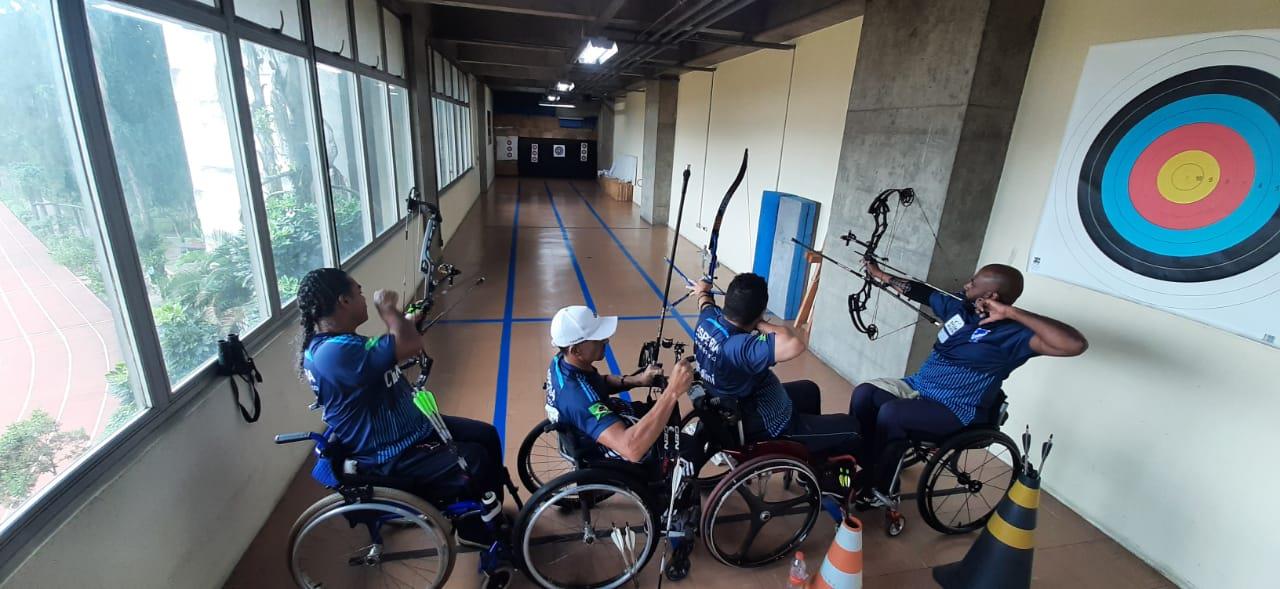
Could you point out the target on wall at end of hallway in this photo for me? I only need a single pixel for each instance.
(533, 152)
(1167, 189)
(508, 147)
(557, 150)
(582, 152)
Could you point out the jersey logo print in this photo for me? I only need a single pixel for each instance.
(599, 410)
(978, 334)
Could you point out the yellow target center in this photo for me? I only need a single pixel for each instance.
(1188, 177)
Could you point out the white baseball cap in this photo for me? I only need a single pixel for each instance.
(577, 324)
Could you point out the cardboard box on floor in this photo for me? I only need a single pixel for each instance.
(616, 189)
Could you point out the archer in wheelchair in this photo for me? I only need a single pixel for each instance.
(387, 448)
(736, 349)
(955, 398)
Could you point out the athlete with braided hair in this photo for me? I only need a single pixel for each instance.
(368, 404)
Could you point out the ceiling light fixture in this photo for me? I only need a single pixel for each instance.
(597, 51)
(556, 105)
(564, 86)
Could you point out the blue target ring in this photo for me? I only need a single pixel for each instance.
(1248, 119)
(1243, 99)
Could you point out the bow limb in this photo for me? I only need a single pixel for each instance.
(715, 227)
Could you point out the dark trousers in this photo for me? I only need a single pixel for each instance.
(438, 476)
(820, 434)
(888, 421)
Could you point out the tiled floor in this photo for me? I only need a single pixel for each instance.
(623, 267)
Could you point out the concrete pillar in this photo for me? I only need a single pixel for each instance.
(604, 136)
(420, 61)
(659, 148)
(934, 94)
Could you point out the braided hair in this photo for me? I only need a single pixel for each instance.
(318, 294)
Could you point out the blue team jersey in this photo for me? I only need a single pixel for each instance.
(367, 402)
(736, 363)
(579, 398)
(969, 362)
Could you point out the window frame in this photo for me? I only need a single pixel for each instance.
(48, 507)
(454, 134)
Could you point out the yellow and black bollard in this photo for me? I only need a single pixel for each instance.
(1001, 557)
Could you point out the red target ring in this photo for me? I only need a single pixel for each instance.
(1230, 152)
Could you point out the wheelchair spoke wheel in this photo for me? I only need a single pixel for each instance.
(761, 511)
(576, 549)
(393, 540)
(539, 459)
(965, 479)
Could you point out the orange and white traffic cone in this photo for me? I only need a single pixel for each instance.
(842, 568)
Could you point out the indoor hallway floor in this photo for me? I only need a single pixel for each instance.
(544, 244)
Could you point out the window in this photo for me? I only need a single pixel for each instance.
(451, 114)
(395, 43)
(402, 141)
(329, 23)
(288, 160)
(68, 387)
(345, 159)
(377, 138)
(369, 34)
(281, 15)
(165, 88)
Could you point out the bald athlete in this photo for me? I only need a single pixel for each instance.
(983, 338)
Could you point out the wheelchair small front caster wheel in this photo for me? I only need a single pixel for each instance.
(894, 523)
(679, 566)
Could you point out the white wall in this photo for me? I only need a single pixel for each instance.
(182, 512)
(791, 119)
(628, 134)
(1164, 428)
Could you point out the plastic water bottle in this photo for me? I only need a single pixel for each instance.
(799, 574)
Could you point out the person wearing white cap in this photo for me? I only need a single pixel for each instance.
(578, 395)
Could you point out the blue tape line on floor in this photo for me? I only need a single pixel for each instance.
(504, 355)
(653, 285)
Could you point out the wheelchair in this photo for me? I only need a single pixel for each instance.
(370, 533)
(965, 474)
(755, 514)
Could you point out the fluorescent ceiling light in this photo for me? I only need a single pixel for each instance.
(556, 105)
(597, 51)
(564, 86)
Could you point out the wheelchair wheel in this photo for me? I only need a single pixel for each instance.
(761, 511)
(964, 480)
(339, 544)
(539, 459)
(576, 549)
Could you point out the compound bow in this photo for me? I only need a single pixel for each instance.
(858, 300)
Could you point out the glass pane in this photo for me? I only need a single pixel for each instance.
(288, 161)
(395, 43)
(437, 70)
(437, 119)
(368, 34)
(377, 138)
(402, 140)
(329, 21)
(282, 15)
(168, 105)
(345, 158)
(67, 388)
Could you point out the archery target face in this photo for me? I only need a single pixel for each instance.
(1167, 190)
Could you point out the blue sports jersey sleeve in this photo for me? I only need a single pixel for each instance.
(366, 360)
(750, 352)
(585, 412)
(943, 305)
(1018, 346)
